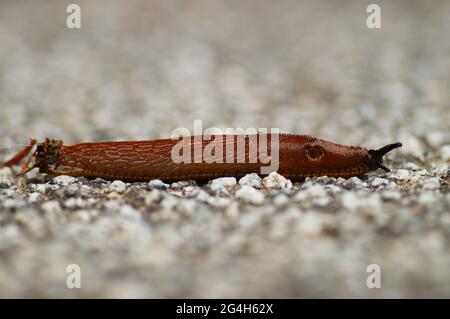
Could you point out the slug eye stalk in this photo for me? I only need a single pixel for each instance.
(377, 155)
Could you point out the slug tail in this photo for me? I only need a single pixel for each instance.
(16, 159)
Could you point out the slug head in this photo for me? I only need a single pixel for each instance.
(376, 156)
(328, 158)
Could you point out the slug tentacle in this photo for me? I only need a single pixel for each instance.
(377, 155)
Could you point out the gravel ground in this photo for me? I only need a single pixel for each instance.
(139, 69)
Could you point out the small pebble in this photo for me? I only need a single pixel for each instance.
(10, 203)
(232, 211)
(445, 153)
(391, 195)
(379, 181)
(130, 212)
(412, 166)
(181, 184)
(117, 186)
(71, 190)
(187, 206)
(169, 202)
(441, 171)
(277, 181)
(64, 180)
(224, 181)
(190, 191)
(220, 202)
(250, 195)
(281, 200)
(51, 207)
(156, 184)
(252, 180)
(427, 198)
(356, 181)
(353, 201)
(402, 174)
(6, 172)
(75, 203)
(431, 183)
(220, 185)
(310, 191)
(33, 197)
(81, 216)
(5, 182)
(310, 224)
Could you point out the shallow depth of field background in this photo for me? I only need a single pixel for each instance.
(139, 69)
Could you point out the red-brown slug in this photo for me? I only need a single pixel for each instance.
(298, 156)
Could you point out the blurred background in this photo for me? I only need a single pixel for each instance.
(142, 68)
(139, 69)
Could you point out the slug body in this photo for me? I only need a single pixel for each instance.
(297, 156)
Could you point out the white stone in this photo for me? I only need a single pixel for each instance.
(402, 174)
(232, 211)
(81, 216)
(190, 191)
(224, 181)
(33, 197)
(353, 201)
(6, 172)
(202, 196)
(117, 186)
(153, 196)
(431, 183)
(249, 222)
(219, 185)
(250, 195)
(130, 212)
(281, 200)
(252, 180)
(441, 170)
(379, 181)
(356, 181)
(75, 203)
(220, 202)
(169, 202)
(70, 190)
(180, 184)
(157, 183)
(333, 188)
(445, 152)
(412, 166)
(5, 182)
(111, 205)
(275, 180)
(391, 195)
(310, 224)
(51, 207)
(188, 206)
(312, 191)
(426, 198)
(10, 203)
(321, 201)
(64, 180)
